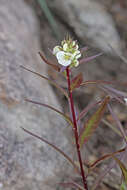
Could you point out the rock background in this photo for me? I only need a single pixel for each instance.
(89, 20)
(95, 26)
(26, 163)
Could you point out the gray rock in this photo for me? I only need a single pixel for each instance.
(94, 27)
(90, 21)
(26, 163)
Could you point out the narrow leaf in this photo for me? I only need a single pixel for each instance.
(107, 87)
(96, 82)
(118, 53)
(75, 83)
(84, 49)
(53, 146)
(112, 127)
(93, 122)
(50, 81)
(116, 94)
(119, 125)
(113, 96)
(56, 67)
(122, 167)
(115, 91)
(105, 172)
(98, 161)
(87, 59)
(86, 109)
(66, 117)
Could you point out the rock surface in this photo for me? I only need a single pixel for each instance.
(94, 27)
(25, 163)
(90, 21)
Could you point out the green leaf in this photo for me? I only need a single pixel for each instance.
(122, 167)
(123, 186)
(75, 83)
(66, 117)
(93, 123)
(46, 78)
(55, 67)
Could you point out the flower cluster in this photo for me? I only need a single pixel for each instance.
(68, 53)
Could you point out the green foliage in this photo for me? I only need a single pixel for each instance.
(50, 17)
(123, 186)
(93, 123)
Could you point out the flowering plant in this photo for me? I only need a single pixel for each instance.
(68, 55)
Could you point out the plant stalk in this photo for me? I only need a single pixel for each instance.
(76, 130)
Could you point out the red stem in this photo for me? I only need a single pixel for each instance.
(75, 129)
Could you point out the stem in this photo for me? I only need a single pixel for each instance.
(75, 129)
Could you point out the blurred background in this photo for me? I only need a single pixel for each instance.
(30, 26)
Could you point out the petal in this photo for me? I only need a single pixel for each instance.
(76, 52)
(76, 63)
(61, 58)
(70, 55)
(60, 54)
(76, 47)
(65, 47)
(78, 56)
(63, 42)
(56, 49)
(64, 62)
(73, 43)
(125, 99)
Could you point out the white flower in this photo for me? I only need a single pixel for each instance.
(56, 49)
(125, 99)
(68, 53)
(64, 58)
